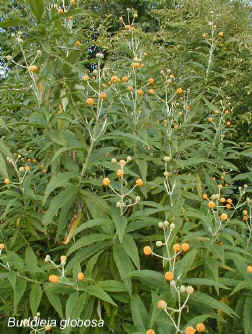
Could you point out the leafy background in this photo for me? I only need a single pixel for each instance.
(46, 125)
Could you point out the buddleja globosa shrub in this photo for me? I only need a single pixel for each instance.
(123, 205)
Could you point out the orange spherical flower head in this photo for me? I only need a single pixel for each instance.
(150, 331)
(161, 304)
(60, 11)
(89, 101)
(245, 212)
(103, 96)
(130, 88)
(229, 200)
(140, 92)
(135, 65)
(53, 279)
(249, 269)
(7, 181)
(80, 276)
(176, 248)
(147, 250)
(33, 68)
(127, 26)
(77, 44)
(106, 181)
(185, 247)
(200, 327)
(85, 77)
(210, 119)
(151, 81)
(48, 328)
(119, 173)
(222, 200)
(124, 79)
(245, 218)
(169, 276)
(228, 206)
(228, 123)
(204, 196)
(224, 217)
(139, 182)
(220, 34)
(115, 79)
(179, 91)
(190, 330)
(211, 205)
(151, 91)
(2, 246)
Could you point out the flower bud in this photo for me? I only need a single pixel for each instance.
(159, 244)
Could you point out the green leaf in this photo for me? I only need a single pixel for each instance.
(131, 249)
(149, 277)
(71, 304)
(35, 298)
(202, 298)
(59, 180)
(123, 264)
(37, 7)
(112, 286)
(204, 281)
(30, 259)
(120, 224)
(139, 312)
(21, 285)
(98, 292)
(58, 202)
(186, 263)
(3, 168)
(87, 240)
(247, 315)
(55, 301)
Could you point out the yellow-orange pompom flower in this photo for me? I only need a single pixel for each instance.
(89, 101)
(140, 92)
(106, 181)
(150, 331)
(179, 91)
(48, 328)
(161, 304)
(6, 181)
(151, 91)
(53, 279)
(115, 79)
(60, 11)
(185, 247)
(147, 250)
(224, 216)
(103, 96)
(2, 246)
(139, 182)
(119, 173)
(220, 34)
(77, 44)
(211, 205)
(176, 248)
(124, 79)
(249, 269)
(151, 81)
(200, 327)
(204, 196)
(169, 276)
(80, 276)
(33, 68)
(190, 330)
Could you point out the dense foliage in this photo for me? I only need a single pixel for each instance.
(125, 162)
